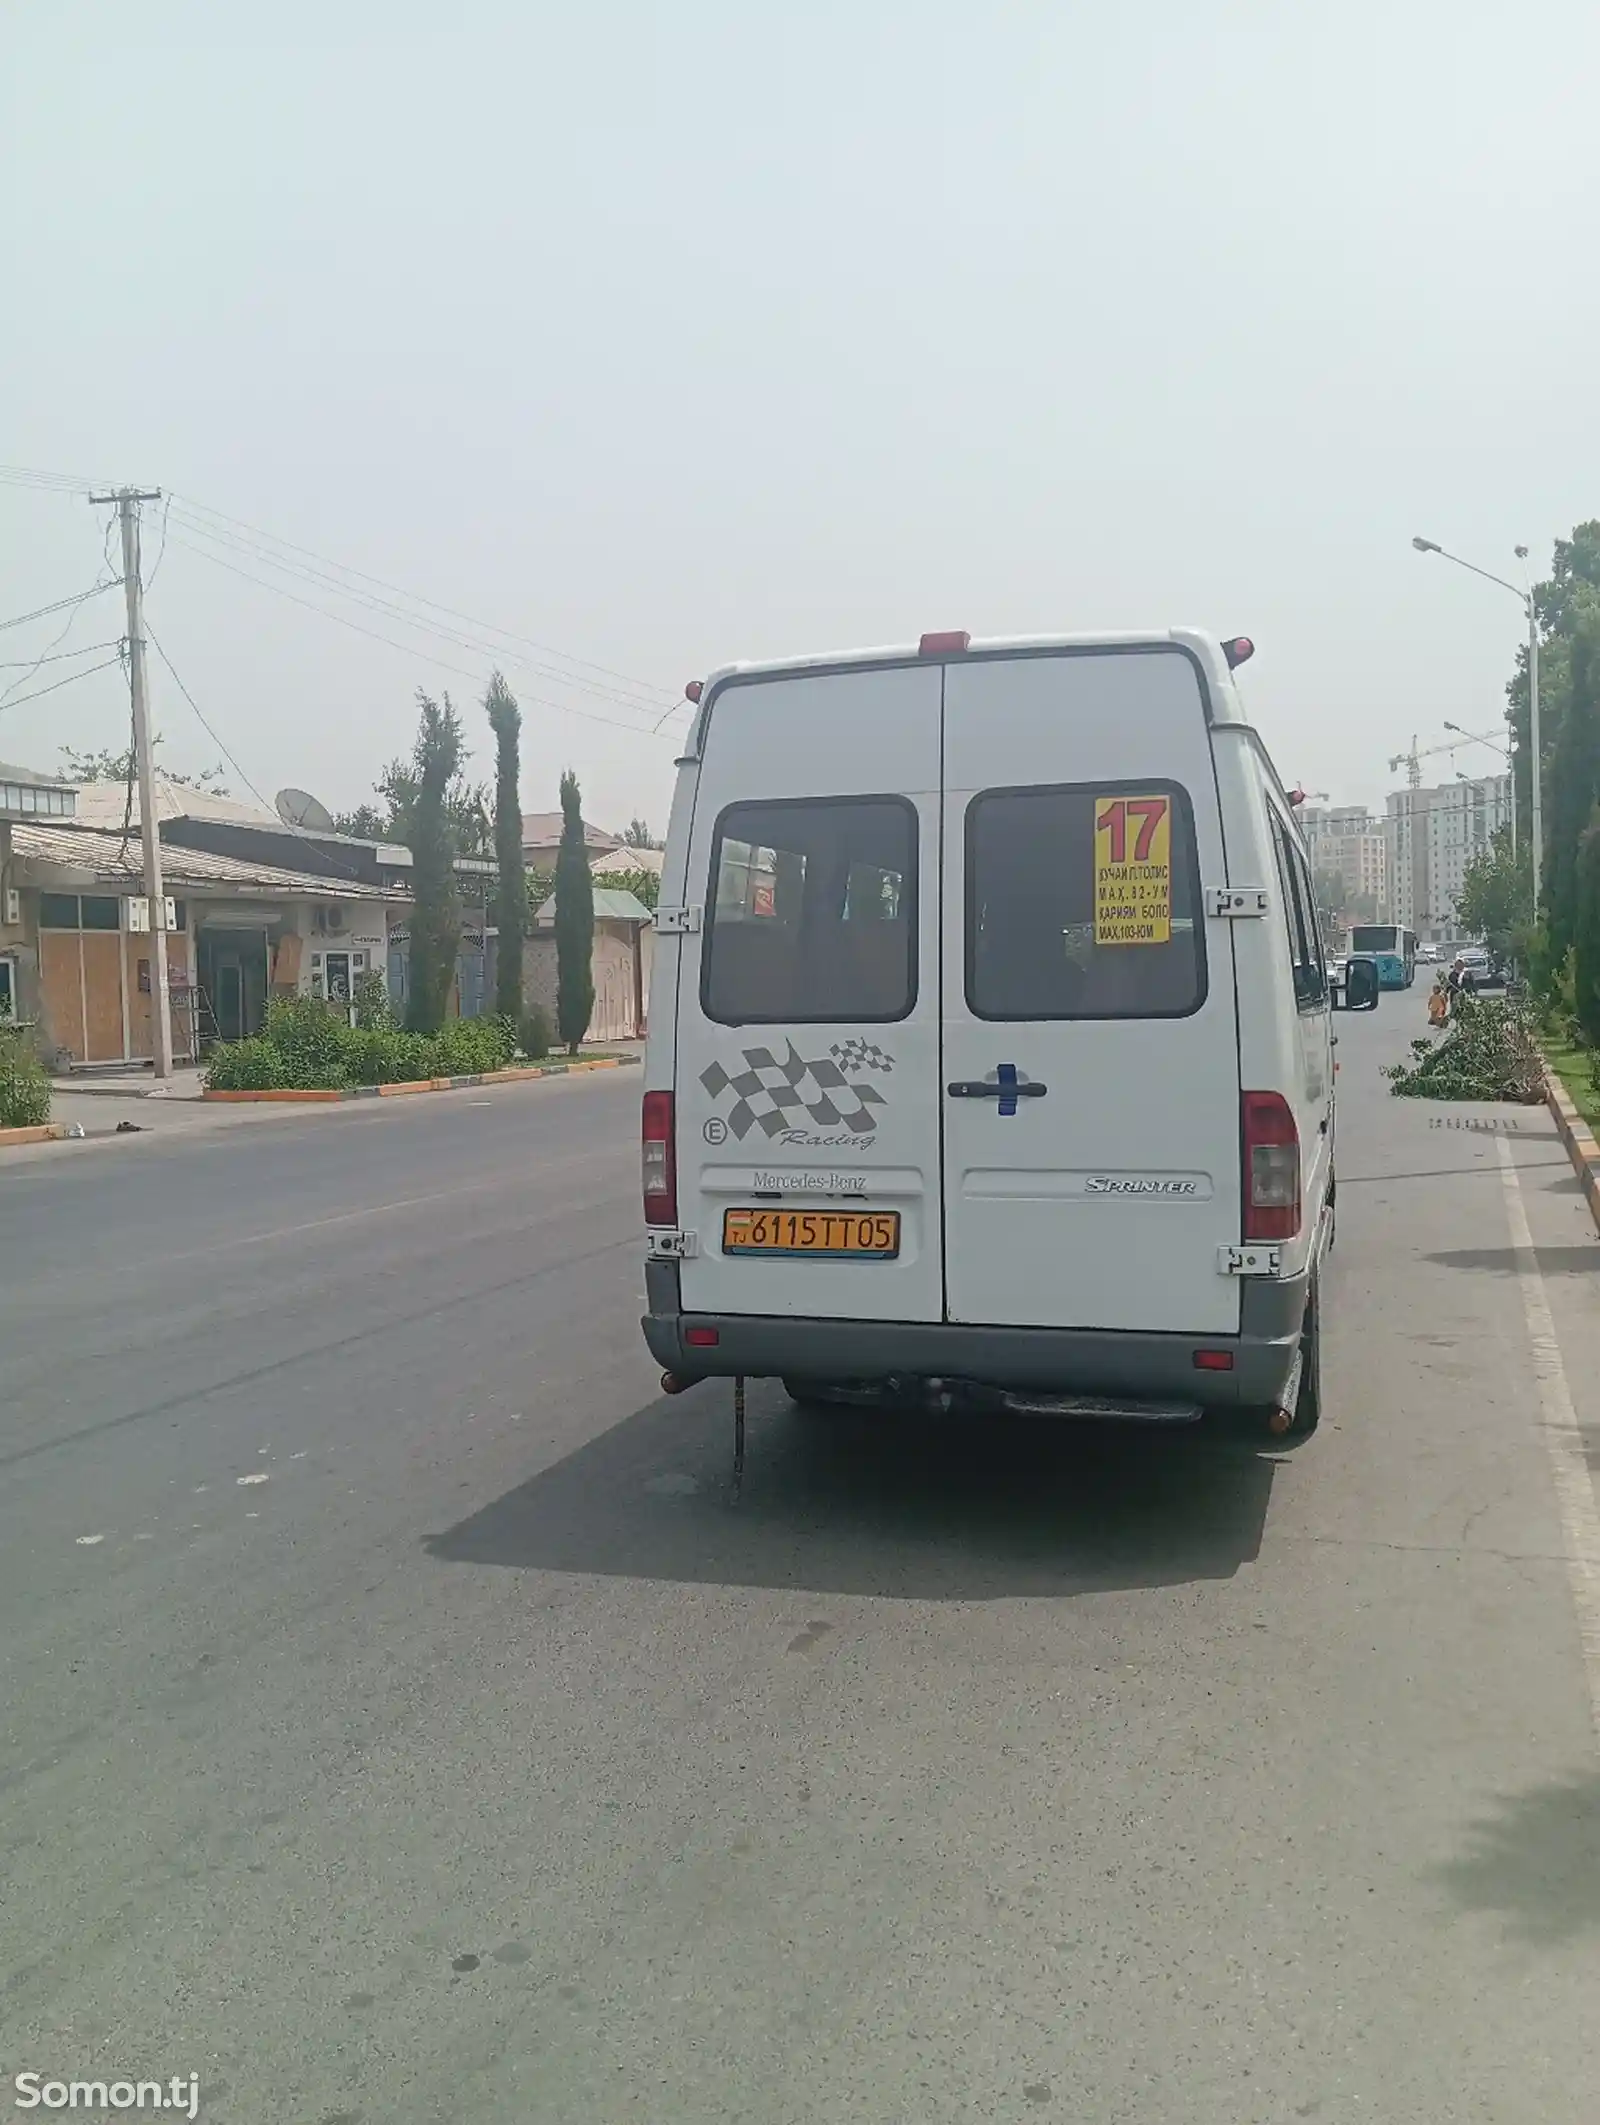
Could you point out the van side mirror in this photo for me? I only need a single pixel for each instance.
(1359, 989)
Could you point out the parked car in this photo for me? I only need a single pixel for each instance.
(990, 1049)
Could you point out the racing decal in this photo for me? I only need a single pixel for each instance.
(779, 1095)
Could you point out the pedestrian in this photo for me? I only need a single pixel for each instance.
(1439, 1003)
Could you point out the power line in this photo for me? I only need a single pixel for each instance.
(39, 692)
(162, 554)
(57, 482)
(334, 863)
(564, 708)
(388, 608)
(544, 648)
(200, 713)
(626, 691)
(65, 655)
(400, 615)
(48, 657)
(43, 612)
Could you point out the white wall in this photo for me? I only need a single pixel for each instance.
(366, 930)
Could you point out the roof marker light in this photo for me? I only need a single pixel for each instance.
(949, 644)
(1239, 651)
(694, 689)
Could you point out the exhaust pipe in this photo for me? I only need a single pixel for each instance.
(673, 1383)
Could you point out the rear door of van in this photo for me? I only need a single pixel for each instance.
(1091, 1048)
(807, 1064)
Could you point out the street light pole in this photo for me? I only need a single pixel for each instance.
(1535, 766)
(1510, 759)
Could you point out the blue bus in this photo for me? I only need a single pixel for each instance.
(1394, 949)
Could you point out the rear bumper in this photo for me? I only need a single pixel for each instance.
(1126, 1365)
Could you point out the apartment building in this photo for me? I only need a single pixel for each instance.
(1433, 834)
(1347, 840)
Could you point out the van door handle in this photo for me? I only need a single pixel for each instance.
(981, 1088)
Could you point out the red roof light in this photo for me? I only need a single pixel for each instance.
(949, 644)
(1239, 651)
(694, 689)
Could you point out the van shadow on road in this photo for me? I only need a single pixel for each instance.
(856, 1503)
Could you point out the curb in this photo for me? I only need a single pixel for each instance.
(1576, 1134)
(422, 1084)
(42, 1133)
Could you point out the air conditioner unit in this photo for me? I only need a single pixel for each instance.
(332, 920)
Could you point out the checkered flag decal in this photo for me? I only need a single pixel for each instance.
(854, 1055)
(773, 1095)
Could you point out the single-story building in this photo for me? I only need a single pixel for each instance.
(624, 938)
(541, 840)
(240, 931)
(25, 797)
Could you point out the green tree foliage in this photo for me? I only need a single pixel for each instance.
(1494, 901)
(1586, 939)
(365, 823)
(511, 894)
(645, 886)
(1573, 785)
(392, 816)
(1572, 590)
(431, 774)
(107, 766)
(574, 922)
(639, 836)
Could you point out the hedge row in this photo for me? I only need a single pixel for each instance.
(306, 1047)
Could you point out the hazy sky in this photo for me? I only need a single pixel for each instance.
(665, 335)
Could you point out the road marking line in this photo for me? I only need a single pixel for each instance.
(1558, 1424)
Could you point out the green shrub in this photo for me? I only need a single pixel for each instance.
(466, 1047)
(317, 1045)
(371, 999)
(24, 1082)
(535, 1036)
(388, 1056)
(246, 1066)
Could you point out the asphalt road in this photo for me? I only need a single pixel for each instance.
(398, 1722)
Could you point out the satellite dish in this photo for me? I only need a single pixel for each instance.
(297, 807)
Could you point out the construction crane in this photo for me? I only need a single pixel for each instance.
(1412, 761)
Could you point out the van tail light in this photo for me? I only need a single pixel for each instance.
(1271, 1167)
(659, 1165)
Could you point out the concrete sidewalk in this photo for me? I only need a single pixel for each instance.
(185, 1083)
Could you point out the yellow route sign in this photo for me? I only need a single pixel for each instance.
(1133, 870)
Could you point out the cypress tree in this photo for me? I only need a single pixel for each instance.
(574, 922)
(436, 914)
(1586, 937)
(511, 896)
(1574, 785)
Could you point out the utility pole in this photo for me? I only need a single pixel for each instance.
(127, 500)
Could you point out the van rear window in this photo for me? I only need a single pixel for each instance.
(812, 913)
(1082, 902)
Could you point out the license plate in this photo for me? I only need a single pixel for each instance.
(838, 1235)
